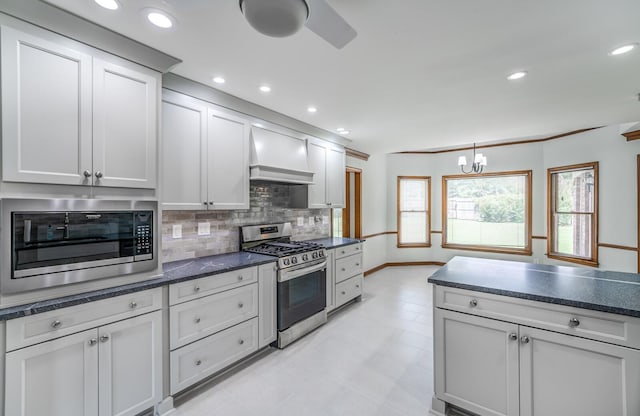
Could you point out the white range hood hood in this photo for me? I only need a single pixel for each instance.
(277, 157)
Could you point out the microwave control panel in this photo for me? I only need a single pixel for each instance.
(144, 235)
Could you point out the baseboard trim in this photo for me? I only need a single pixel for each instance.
(403, 263)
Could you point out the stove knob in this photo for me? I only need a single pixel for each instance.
(321, 254)
(294, 260)
(314, 255)
(305, 257)
(285, 262)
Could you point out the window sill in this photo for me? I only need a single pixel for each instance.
(576, 260)
(517, 251)
(417, 245)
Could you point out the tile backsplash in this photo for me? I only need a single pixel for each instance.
(269, 202)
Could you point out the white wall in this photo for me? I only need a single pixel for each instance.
(617, 179)
(374, 197)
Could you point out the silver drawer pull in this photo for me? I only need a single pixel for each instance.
(197, 320)
(240, 305)
(93, 342)
(357, 286)
(357, 264)
(99, 174)
(104, 338)
(357, 248)
(344, 270)
(473, 303)
(574, 322)
(86, 174)
(133, 304)
(56, 324)
(343, 252)
(196, 289)
(525, 339)
(344, 293)
(240, 278)
(241, 341)
(513, 336)
(198, 362)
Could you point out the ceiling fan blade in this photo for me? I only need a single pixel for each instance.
(325, 22)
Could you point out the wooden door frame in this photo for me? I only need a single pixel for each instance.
(346, 211)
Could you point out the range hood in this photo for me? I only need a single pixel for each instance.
(277, 157)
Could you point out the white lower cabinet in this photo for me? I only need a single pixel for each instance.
(115, 369)
(344, 275)
(494, 367)
(268, 303)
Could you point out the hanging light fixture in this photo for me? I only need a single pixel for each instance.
(479, 162)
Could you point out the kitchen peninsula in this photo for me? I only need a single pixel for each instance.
(515, 338)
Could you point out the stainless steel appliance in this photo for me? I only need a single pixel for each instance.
(302, 278)
(52, 242)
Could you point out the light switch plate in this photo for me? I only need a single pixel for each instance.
(300, 221)
(204, 228)
(177, 231)
(312, 221)
(325, 219)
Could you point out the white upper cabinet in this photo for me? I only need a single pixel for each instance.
(327, 161)
(70, 118)
(205, 156)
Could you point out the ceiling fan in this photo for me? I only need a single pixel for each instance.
(282, 18)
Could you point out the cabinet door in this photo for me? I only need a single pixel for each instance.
(331, 281)
(55, 378)
(317, 157)
(476, 363)
(130, 365)
(228, 179)
(267, 301)
(335, 176)
(572, 376)
(124, 125)
(184, 153)
(46, 111)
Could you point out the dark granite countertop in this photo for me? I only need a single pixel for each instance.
(600, 290)
(333, 242)
(174, 272)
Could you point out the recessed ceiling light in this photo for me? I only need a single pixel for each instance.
(108, 4)
(312, 109)
(265, 88)
(345, 132)
(517, 75)
(340, 129)
(160, 19)
(219, 80)
(623, 49)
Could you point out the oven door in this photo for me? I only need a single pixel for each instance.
(301, 296)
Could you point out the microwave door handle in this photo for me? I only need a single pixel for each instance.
(288, 275)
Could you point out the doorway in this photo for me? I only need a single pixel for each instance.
(352, 211)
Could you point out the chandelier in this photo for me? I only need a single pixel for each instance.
(479, 162)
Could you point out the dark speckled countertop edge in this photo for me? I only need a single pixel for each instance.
(335, 242)
(172, 276)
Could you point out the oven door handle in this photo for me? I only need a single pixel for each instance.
(285, 275)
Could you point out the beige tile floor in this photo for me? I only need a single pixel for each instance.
(372, 358)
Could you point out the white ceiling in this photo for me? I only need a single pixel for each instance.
(421, 74)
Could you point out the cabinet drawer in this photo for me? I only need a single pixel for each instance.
(349, 289)
(193, 320)
(203, 358)
(29, 330)
(348, 250)
(347, 267)
(616, 329)
(193, 289)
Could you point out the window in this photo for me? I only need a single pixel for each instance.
(336, 226)
(487, 212)
(572, 221)
(414, 204)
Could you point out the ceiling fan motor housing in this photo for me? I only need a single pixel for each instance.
(275, 18)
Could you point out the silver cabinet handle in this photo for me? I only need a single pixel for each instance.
(357, 248)
(240, 305)
(205, 202)
(197, 319)
(357, 264)
(56, 324)
(473, 303)
(343, 252)
(210, 202)
(92, 342)
(344, 270)
(198, 362)
(358, 286)
(87, 174)
(344, 293)
(241, 341)
(196, 289)
(513, 336)
(98, 174)
(525, 339)
(133, 304)
(104, 338)
(240, 278)
(574, 322)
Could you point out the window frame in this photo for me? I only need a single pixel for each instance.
(427, 243)
(593, 261)
(526, 250)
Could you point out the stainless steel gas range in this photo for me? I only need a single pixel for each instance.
(302, 271)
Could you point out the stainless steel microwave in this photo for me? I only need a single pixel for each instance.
(53, 242)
